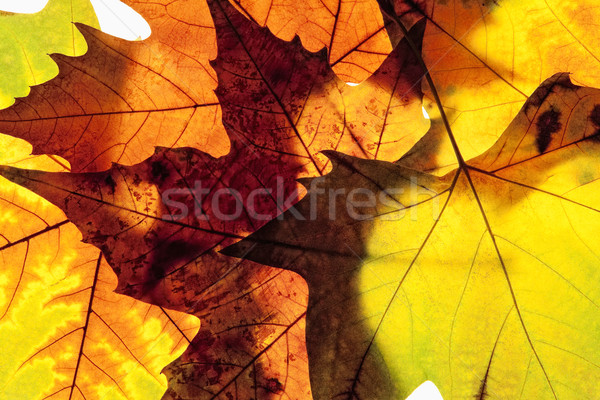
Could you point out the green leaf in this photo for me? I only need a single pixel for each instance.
(27, 39)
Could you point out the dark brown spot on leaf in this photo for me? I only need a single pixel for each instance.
(595, 118)
(274, 386)
(111, 183)
(159, 171)
(547, 124)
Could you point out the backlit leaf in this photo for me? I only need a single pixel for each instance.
(65, 334)
(24, 51)
(486, 57)
(483, 280)
(481, 277)
(160, 223)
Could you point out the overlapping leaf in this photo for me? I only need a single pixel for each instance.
(122, 98)
(64, 333)
(485, 57)
(281, 105)
(484, 280)
(507, 297)
(92, 116)
(353, 31)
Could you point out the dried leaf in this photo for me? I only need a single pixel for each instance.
(161, 233)
(483, 280)
(65, 333)
(486, 57)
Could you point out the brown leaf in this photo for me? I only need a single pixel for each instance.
(281, 98)
(120, 99)
(160, 223)
(483, 280)
(60, 320)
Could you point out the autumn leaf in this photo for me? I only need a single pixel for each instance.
(245, 309)
(121, 99)
(283, 99)
(279, 112)
(65, 334)
(353, 31)
(110, 104)
(483, 280)
(485, 57)
(471, 288)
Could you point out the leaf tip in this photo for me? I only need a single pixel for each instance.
(13, 174)
(240, 249)
(335, 157)
(305, 181)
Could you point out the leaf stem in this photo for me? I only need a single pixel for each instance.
(388, 10)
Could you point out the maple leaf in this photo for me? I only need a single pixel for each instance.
(483, 280)
(115, 102)
(281, 105)
(65, 333)
(353, 31)
(286, 104)
(485, 57)
(121, 99)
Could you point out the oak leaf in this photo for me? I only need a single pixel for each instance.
(24, 60)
